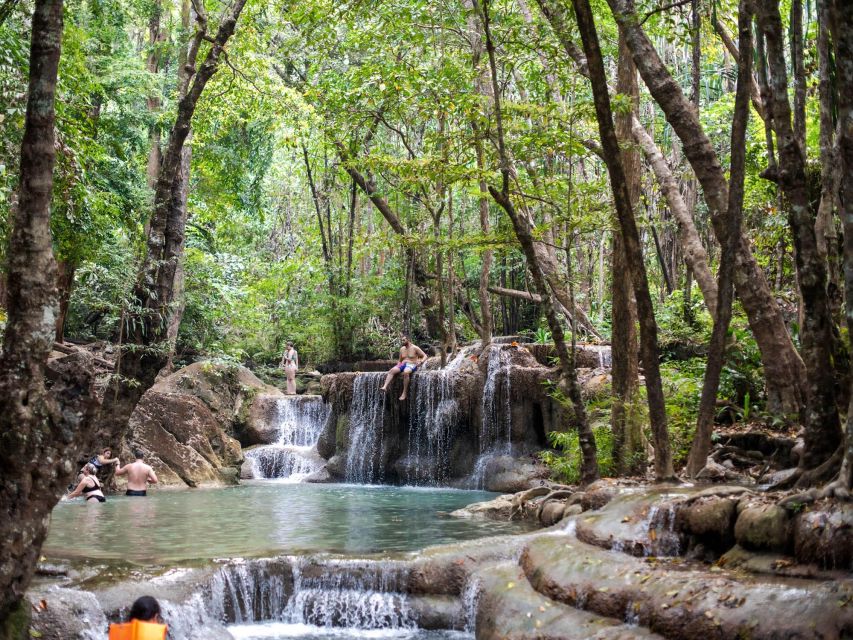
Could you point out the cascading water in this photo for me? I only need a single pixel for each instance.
(300, 422)
(496, 425)
(366, 432)
(354, 594)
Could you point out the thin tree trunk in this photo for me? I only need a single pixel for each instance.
(691, 244)
(568, 378)
(827, 237)
(631, 238)
(754, 91)
(716, 351)
(823, 433)
(840, 22)
(41, 433)
(148, 324)
(64, 285)
(628, 445)
(799, 72)
(783, 368)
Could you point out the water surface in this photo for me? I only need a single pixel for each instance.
(261, 519)
(276, 630)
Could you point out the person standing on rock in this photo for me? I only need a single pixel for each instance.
(139, 475)
(411, 357)
(290, 363)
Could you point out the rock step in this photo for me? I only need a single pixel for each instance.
(685, 604)
(508, 608)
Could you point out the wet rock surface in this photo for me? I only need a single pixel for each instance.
(190, 424)
(684, 604)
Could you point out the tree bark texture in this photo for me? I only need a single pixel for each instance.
(716, 352)
(631, 238)
(825, 231)
(628, 442)
(784, 371)
(568, 375)
(421, 279)
(823, 433)
(691, 244)
(146, 327)
(841, 25)
(44, 413)
(64, 284)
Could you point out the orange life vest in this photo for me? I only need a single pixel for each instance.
(138, 630)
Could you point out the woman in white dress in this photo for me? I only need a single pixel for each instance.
(290, 362)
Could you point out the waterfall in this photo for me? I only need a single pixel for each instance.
(300, 422)
(359, 594)
(496, 426)
(366, 430)
(250, 591)
(433, 413)
(354, 594)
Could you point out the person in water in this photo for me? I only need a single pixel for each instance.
(411, 357)
(143, 623)
(89, 487)
(290, 363)
(103, 459)
(139, 475)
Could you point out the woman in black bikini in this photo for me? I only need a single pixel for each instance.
(89, 486)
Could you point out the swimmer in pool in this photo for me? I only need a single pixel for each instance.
(139, 475)
(89, 487)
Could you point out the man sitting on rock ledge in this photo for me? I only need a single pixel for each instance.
(411, 357)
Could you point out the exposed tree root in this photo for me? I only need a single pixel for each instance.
(838, 487)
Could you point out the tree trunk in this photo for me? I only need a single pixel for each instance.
(784, 370)
(631, 238)
(717, 349)
(691, 244)
(827, 237)
(41, 433)
(568, 375)
(840, 22)
(823, 433)
(628, 441)
(421, 279)
(147, 325)
(799, 72)
(64, 284)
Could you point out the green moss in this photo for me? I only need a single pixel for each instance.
(17, 625)
(342, 432)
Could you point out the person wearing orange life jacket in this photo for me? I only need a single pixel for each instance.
(144, 622)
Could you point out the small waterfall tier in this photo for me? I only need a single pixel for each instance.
(300, 421)
(355, 594)
(496, 412)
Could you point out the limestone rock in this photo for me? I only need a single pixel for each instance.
(552, 512)
(824, 536)
(763, 527)
(710, 517)
(501, 508)
(509, 475)
(69, 614)
(190, 423)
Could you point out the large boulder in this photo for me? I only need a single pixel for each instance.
(190, 424)
(824, 535)
(505, 474)
(763, 527)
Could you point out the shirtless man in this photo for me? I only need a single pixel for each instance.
(139, 475)
(411, 357)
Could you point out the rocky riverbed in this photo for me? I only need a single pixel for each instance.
(719, 562)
